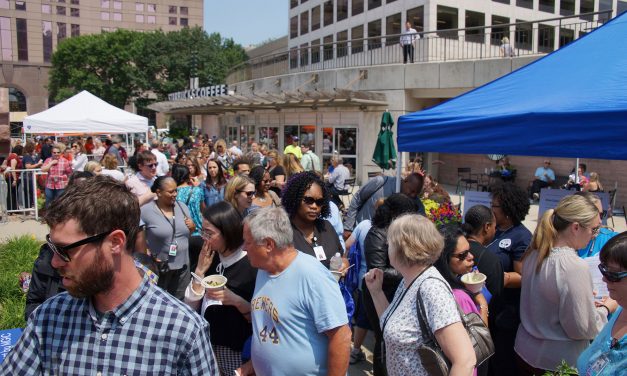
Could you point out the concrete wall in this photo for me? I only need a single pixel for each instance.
(31, 80)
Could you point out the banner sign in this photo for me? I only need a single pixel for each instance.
(8, 339)
(472, 198)
(207, 91)
(549, 198)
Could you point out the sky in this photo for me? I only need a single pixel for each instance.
(247, 21)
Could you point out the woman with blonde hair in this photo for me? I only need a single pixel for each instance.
(110, 164)
(557, 309)
(99, 149)
(223, 155)
(93, 167)
(292, 165)
(276, 170)
(594, 184)
(414, 244)
(240, 191)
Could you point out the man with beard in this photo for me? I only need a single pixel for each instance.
(111, 320)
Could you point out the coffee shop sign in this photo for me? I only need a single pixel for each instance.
(207, 91)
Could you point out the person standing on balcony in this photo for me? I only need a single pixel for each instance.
(408, 38)
(506, 48)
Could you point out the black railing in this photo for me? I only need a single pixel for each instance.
(473, 43)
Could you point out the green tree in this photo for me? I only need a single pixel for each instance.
(126, 65)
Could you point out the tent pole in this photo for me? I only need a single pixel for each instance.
(399, 168)
(577, 172)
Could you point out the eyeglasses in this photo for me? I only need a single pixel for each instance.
(56, 152)
(310, 201)
(595, 230)
(611, 276)
(61, 250)
(249, 194)
(207, 234)
(74, 146)
(602, 214)
(151, 165)
(461, 256)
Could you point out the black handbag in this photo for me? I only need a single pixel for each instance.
(431, 355)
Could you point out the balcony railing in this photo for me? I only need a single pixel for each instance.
(473, 43)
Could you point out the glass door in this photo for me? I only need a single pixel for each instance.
(268, 136)
(340, 141)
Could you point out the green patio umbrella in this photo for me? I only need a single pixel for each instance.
(384, 152)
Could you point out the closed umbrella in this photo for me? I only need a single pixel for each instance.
(384, 152)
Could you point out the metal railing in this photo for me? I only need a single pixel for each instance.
(473, 43)
(21, 196)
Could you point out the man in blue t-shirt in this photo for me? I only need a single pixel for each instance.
(299, 319)
(543, 178)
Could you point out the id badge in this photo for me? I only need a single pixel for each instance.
(319, 251)
(597, 367)
(172, 251)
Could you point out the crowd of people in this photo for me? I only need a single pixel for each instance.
(124, 271)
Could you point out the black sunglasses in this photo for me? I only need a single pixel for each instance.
(151, 165)
(310, 201)
(462, 256)
(61, 250)
(611, 276)
(248, 194)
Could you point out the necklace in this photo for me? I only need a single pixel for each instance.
(262, 199)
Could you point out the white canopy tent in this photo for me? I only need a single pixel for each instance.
(85, 113)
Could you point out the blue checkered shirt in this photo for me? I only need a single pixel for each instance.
(151, 333)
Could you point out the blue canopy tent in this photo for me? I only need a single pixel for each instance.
(571, 103)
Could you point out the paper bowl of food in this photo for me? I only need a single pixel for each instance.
(474, 281)
(214, 282)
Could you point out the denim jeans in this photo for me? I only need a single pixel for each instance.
(52, 194)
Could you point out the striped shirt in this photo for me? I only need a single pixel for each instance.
(151, 333)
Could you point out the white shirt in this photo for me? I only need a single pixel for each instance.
(79, 162)
(409, 36)
(339, 176)
(236, 151)
(162, 162)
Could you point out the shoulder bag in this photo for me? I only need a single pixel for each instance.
(431, 355)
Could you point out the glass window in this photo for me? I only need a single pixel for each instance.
(498, 32)
(61, 31)
(184, 11)
(447, 19)
(586, 6)
(357, 7)
(374, 31)
(104, 4)
(6, 42)
(17, 100)
(75, 2)
(502, 1)
(22, 39)
(139, 18)
(416, 17)
(293, 3)
(328, 47)
(75, 30)
(117, 17)
(328, 13)
(315, 18)
(20, 5)
(390, 1)
(392, 26)
(151, 19)
(75, 12)
(46, 27)
(546, 38)
(4, 4)
(357, 33)
(605, 5)
(139, 7)
(621, 6)
(293, 57)
(61, 1)
(172, 21)
(567, 7)
(523, 35)
(373, 4)
(475, 19)
(525, 3)
(304, 23)
(294, 27)
(342, 46)
(547, 6)
(184, 22)
(342, 9)
(315, 51)
(60, 10)
(117, 5)
(104, 16)
(304, 54)
(172, 9)
(152, 8)
(45, 8)
(566, 36)
(268, 136)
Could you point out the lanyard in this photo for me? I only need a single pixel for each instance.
(314, 240)
(172, 224)
(398, 302)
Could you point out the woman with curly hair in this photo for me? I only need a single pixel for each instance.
(264, 196)
(306, 200)
(240, 192)
(510, 206)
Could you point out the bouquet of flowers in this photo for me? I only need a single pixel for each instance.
(442, 213)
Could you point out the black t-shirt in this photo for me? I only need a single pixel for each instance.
(278, 170)
(325, 236)
(227, 326)
(489, 264)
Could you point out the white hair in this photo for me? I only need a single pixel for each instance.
(270, 223)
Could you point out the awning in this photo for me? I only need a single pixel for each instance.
(271, 101)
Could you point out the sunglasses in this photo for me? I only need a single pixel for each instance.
(462, 256)
(248, 194)
(61, 250)
(151, 165)
(310, 201)
(611, 276)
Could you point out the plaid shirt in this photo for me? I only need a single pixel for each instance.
(151, 333)
(58, 174)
